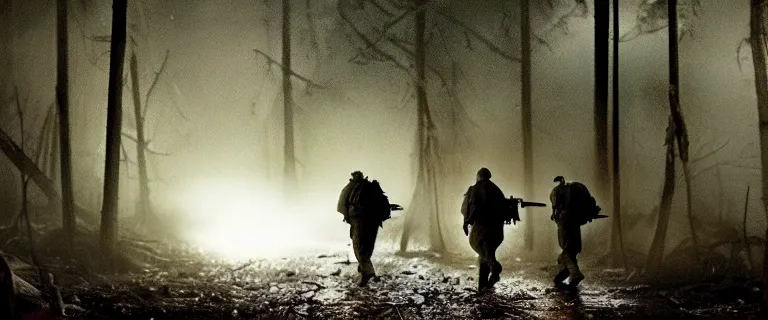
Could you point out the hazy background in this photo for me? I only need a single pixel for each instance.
(231, 140)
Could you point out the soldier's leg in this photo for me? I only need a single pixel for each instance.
(563, 273)
(355, 233)
(477, 244)
(494, 263)
(573, 268)
(484, 272)
(367, 245)
(495, 269)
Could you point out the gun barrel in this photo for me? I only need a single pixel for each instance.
(524, 204)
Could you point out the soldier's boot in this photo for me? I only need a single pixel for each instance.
(575, 279)
(365, 277)
(482, 280)
(495, 274)
(561, 276)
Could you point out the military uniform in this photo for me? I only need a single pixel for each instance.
(568, 236)
(481, 208)
(363, 228)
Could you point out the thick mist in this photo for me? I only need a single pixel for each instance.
(217, 111)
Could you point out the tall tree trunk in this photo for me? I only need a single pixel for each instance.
(6, 48)
(141, 158)
(681, 133)
(425, 195)
(617, 240)
(62, 98)
(656, 251)
(114, 126)
(525, 110)
(602, 23)
(758, 44)
(289, 166)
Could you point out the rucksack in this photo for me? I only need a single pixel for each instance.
(510, 213)
(581, 202)
(368, 197)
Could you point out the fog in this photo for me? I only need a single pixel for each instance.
(217, 112)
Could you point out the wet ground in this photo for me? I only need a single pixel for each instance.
(323, 286)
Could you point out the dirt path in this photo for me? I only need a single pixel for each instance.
(417, 287)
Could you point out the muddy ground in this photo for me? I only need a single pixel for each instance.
(417, 286)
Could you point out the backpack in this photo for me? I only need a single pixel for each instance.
(581, 202)
(510, 213)
(368, 197)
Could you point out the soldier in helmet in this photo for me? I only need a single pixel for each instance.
(483, 207)
(568, 233)
(365, 207)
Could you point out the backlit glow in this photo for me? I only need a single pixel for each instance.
(240, 221)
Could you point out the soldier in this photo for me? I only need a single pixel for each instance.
(565, 214)
(364, 207)
(483, 208)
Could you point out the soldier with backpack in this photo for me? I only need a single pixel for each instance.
(572, 206)
(364, 206)
(486, 209)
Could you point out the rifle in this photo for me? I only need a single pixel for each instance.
(522, 203)
(519, 202)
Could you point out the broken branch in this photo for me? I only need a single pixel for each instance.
(308, 82)
(154, 83)
(474, 33)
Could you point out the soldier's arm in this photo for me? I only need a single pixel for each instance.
(472, 205)
(465, 204)
(341, 206)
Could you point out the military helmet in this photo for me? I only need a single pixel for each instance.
(484, 173)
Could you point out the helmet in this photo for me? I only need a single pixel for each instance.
(484, 174)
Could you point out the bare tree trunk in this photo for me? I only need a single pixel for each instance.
(141, 158)
(289, 166)
(681, 133)
(617, 239)
(7, 291)
(525, 110)
(114, 125)
(425, 194)
(62, 98)
(6, 48)
(656, 251)
(602, 23)
(46, 185)
(758, 43)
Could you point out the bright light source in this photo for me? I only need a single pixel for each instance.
(240, 221)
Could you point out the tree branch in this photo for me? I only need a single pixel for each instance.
(381, 8)
(367, 41)
(130, 137)
(157, 153)
(154, 83)
(490, 45)
(394, 22)
(308, 82)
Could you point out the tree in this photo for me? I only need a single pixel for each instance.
(758, 43)
(289, 164)
(62, 99)
(602, 23)
(114, 125)
(617, 240)
(426, 142)
(381, 44)
(141, 157)
(525, 115)
(142, 143)
(676, 134)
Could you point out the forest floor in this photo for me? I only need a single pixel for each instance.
(416, 286)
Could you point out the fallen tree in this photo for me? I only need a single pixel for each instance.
(46, 185)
